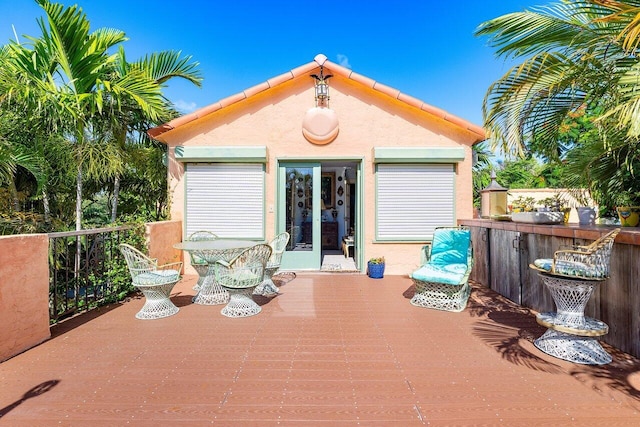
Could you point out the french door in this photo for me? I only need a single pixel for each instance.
(299, 214)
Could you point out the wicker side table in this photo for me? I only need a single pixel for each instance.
(571, 335)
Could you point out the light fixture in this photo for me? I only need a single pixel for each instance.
(322, 88)
(493, 199)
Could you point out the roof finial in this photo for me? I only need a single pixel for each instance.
(320, 59)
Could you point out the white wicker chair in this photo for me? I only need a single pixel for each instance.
(442, 282)
(267, 288)
(587, 262)
(240, 277)
(198, 263)
(155, 282)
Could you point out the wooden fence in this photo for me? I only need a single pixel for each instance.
(504, 250)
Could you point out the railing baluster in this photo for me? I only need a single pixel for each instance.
(80, 286)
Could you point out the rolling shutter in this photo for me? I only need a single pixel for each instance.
(226, 199)
(414, 199)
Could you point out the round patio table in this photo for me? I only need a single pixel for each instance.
(210, 292)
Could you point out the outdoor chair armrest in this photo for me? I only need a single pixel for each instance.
(171, 266)
(573, 255)
(425, 253)
(581, 248)
(223, 263)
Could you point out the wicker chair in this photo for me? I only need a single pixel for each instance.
(442, 282)
(155, 282)
(267, 288)
(198, 263)
(586, 262)
(240, 277)
(571, 277)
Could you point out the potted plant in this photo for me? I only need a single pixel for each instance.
(629, 209)
(375, 268)
(557, 203)
(585, 208)
(523, 204)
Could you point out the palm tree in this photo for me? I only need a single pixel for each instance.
(69, 73)
(129, 121)
(482, 167)
(576, 55)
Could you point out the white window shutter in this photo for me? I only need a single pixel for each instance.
(226, 199)
(414, 199)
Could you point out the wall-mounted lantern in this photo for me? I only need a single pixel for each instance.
(322, 88)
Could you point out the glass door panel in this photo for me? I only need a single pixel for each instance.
(299, 215)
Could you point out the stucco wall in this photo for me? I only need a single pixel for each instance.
(160, 238)
(370, 119)
(24, 293)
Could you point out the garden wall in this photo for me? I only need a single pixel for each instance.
(24, 293)
(24, 283)
(160, 238)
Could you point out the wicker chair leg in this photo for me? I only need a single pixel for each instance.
(267, 288)
(211, 292)
(241, 304)
(202, 270)
(441, 296)
(157, 302)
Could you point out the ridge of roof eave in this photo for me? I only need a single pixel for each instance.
(211, 108)
(319, 60)
(479, 131)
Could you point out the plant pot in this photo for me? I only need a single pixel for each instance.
(375, 271)
(566, 213)
(586, 215)
(629, 215)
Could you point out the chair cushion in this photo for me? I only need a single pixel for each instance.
(156, 277)
(569, 268)
(240, 279)
(450, 274)
(450, 247)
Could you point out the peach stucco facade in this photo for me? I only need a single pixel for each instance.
(370, 116)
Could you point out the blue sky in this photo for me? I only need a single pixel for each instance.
(425, 49)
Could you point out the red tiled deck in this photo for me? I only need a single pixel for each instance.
(331, 350)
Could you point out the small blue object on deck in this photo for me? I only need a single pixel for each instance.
(375, 271)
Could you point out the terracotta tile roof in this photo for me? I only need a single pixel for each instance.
(320, 60)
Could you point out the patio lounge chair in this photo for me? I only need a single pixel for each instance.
(240, 277)
(267, 288)
(442, 282)
(154, 281)
(198, 263)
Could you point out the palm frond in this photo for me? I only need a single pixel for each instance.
(165, 65)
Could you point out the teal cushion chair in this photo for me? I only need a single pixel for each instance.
(442, 281)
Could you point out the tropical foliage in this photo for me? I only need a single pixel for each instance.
(574, 95)
(74, 120)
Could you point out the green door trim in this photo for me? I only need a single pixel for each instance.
(303, 260)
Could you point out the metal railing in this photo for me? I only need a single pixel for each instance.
(86, 269)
